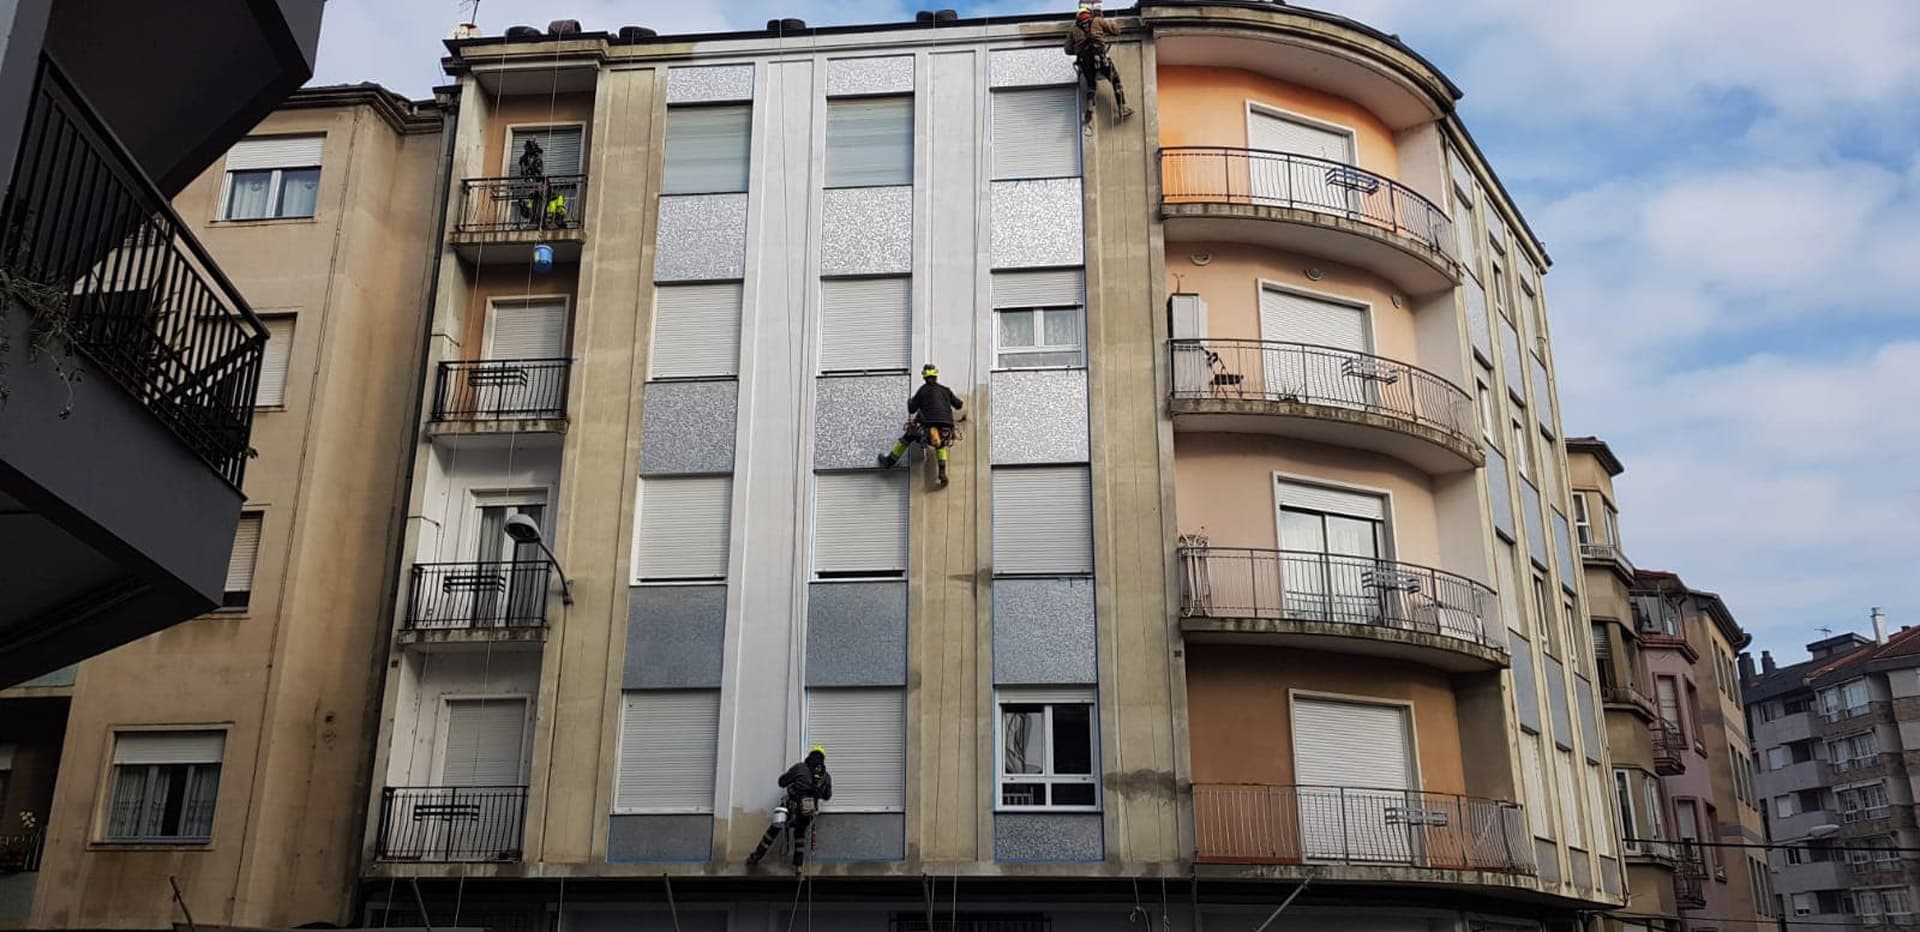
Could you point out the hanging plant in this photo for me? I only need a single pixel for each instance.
(51, 337)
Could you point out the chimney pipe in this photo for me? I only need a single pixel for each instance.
(1879, 625)
(1746, 667)
(1766, 662)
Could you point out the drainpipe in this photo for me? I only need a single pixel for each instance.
(1879, 626)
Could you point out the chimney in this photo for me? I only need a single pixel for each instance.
(1746, 667)
(1879, 625)
(1766, 662)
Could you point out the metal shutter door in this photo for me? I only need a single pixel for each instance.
(1050, 288)
(246, 552)
(1330, 501)
(869, 142)
(860, 523)
(1279, 134)
(865, 734)
(669, 742)
(559, 149)
(683, 528)
(275, 152)
(485, 739)
(1036, 133)
(1350, 743)
(865, 324)
(169, 747)
(1042, 520)
(1293, 318)
(529, 330)
(707, 149)
(696, 331)
(273, 362)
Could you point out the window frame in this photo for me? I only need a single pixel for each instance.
(1522, 454)
(276, 186)
(191, 770)
(244, 604)
(1489, 415)
(510, 157)
(1623, 801)
(1039, 347)
(1047, 699)
(827, 123)
(1582, 520)
(667, 161)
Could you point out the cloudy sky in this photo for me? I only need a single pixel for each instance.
(1730, 190)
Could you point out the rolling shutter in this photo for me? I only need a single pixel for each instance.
(169, 747)
(1036, 133)
(1042, 520)
(246, 552)
(707, 149)
(1350, 744)
(1294, 318)
(669, 742)
(860, 523)
(275, 152)
(1279, 134)
(273, 362)
(529, 330)
(1602, 646)
(1330, 501)
(559, 149)
(1049, 288)
(1539, 807)
(486, 740)
(696, 331)
(865, 734)
(869, 142)
(866, 324)
(683, 528)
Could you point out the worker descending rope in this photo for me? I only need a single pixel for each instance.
(1087, 43)
(930, 417)
(806, 785)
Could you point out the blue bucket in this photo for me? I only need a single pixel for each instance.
(543, 258)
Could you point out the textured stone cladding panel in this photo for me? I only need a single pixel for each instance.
(851, 76)
(862, 836)
(688, 428)
(1039, 416)
(856, 418)
(703, 238)
(866, 231)
(709, 84)
(1031, 68)
(1044, 836)
(654, 839)
(1036, 223)
(857, 633)
(675, 637)
(1043, 632)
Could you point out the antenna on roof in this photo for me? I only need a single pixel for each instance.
(1826, 631)
(469, 25)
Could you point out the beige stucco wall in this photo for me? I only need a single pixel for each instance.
(1208, 107)
(525, 111)
(1233, 276)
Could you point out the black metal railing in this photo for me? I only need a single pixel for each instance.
(503, 389)
(1298, 585)
(513, 204)
(1266, 824)
(1669, 747)
(507, 594)
(1689, 877)
(137, 296)
(1268, 370)
(451, 823)
(1263, 178)
(20, 852)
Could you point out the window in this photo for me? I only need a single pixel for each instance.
(1785, 807)
(1572, 825)
(164, 785)
(1866, 801)
(1039, 320)
(1539, 806)
(1551, 636)
(272, 177)
(669, 742)
(1612, 525)
(240, 563)
(865, 731)
(1798, 705)
(1036, 133)
(1693, 718)
(1666, 693)
(707, 149)
(1713, 828)
(1048, 754)
(1656, 821)
(1542, 408)
(1522, 453)
(866, 324)
(1503, 557)
(1603, 834)
(272, 390)
(1487, 422)
(560, 154)
(1042, 521)
(1582, 522)
(1576, 657)
(1499, 493)
(696, 331)
(1497, 285)
(683, 531)
(1513, 363)
(1478, 327)
(869, 142)
(860, 524)
(1686, 820)
(1623, 801)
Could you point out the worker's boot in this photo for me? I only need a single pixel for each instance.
(943, 472)
(887, 461)
(799, 857)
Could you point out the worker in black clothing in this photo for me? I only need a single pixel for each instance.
(807, 785)
(929, 421)
(1087, 43)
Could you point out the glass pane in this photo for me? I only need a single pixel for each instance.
(870, 142)
(299, 191)
(493, 533)
(1023, 794)
(129, 801)
(1073, 794)
(1062, 328)
(196, 811)
(1024, 360)
(1024, 732)
(1016, 329)
(247, 194)
(1072, 740)
(1301, 530)
(1354, 537)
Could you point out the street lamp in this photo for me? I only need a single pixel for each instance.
(525, 530)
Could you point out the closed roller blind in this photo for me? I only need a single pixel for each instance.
(1350, 744)
(1539, 807)
(169, 747)
(1036, 133)
(866, 324)
(1279, 134)
(559, 149)
(1564, 777)
(246, 552)
(485, 739)
(273, 362)
(696, 331)
(669, 741)
(529, 330)
(1295, 318)
(275, 152)
(865, 734)
(683, 528)
(869, 142)
(1049, 288)
(1329, 500)
(707, 149)
(1042, 520)
(860, 523)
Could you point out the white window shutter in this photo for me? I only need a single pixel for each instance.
(1046, 288)
(169, 747)
(696, 331)
(1570, 823)
(560, 149)
(246, 552)
(707, 149)
(529, 330)
(1270, 133)
(860, 523)
(1036, 133)
(866, 324)
(1189, 316)
(683, 528)
(1295, 318)
(275, 152)
(1351, 744)
(1042, 520)
(864, 732)
(485, 742)
(669, 742)
(869, 142)
(1539, 807)
(273, 362)
(1327, 500)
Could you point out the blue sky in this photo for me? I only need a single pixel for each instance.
(1730, 190)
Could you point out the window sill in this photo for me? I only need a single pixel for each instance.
(1082, 367)
(265, 409)
(151, 844)
(262, 221)
(230, 614)
(1048, 810)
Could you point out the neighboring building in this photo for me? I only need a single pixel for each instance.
(1220, 593)
(231, 753)
(127, 359)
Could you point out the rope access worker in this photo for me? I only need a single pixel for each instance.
(537, 203)
(1087, 43)
(929, 421)
(807, 785)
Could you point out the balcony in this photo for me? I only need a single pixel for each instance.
(1628, 698)
(1669, 748)
(1610, 556)
(1836, 722)
(1864, 768)
(1689, 878)
(1875, 821)
(501, 395)
(497, 601)
(1326, 395)
(1311, 205)
(1353, 605)
(502, 219)
(451, 824)
(1648, 851)
(1877, 872)
(1349, 833)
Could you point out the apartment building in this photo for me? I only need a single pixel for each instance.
(649, 558)
(229, 754)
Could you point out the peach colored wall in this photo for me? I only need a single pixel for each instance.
(1230, 284)
(1242, 724)
(533, 110)
(1208, 107)
(510, 281)
(1224, 483)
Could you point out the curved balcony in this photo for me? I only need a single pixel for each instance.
(501, 219)
(1354, 605)
(1326, 395)
(1307, 204)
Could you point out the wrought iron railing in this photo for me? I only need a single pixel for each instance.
(509, 594)
(1266, 824)
(451, 823)
(1268, 370)
(1669, 747)
(1259, 177)
(513, 204)
(1295, 585)
(501, 389)
(128, 286)
(20, 852)
(1605, 553)
(1689, 877)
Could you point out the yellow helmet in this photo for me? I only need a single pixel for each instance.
(817, 749)
(929, 371)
